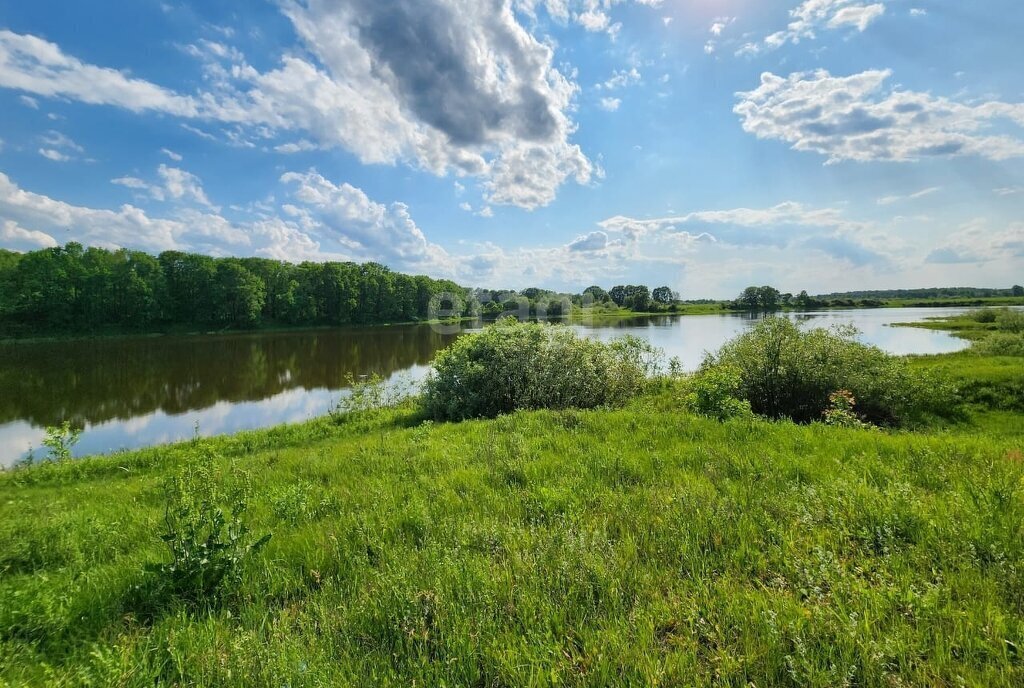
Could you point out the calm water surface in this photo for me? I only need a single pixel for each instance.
(137, 392)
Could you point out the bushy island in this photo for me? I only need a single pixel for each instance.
(804, 511)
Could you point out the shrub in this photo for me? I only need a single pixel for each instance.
(60, 440)
(204, 531)
(841, 411)
(1001, 344)
(1008, 320)
(512, 365)
(789, 372)
(715, 393)
(985, 316)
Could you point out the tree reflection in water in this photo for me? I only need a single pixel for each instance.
(93, 381)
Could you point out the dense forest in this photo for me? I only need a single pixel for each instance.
(73, 289)
(76, 289)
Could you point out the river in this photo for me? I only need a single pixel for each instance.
(139, 391)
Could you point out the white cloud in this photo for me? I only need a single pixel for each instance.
(28, 63)
(174, 184)
(860, 16)
(131, 183)
(858, 118)
(977, 242)
(486, 211)
(889, 200)
(299, 146)
(180, 184)
(610, 104)
(29, 101)
(54, 155)
(58, 147)
(367, 229)
(127, 226)
(55, 139)
(718, 27)
(918, 12)
(621, 78)
(720, 24)
(591, 15)
(1008, 190)
(593, 20)
(188, 229)
(595, 241)
(176, 157)
(476, 93)
(783, 226)
(16, 237)
(812, 15)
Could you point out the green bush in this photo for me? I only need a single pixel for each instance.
(985, 316)
(789, 372)
(715, 393)
(512, 365)
(1008, 320)
(1001, 344)
(60, 440)
(204, 531)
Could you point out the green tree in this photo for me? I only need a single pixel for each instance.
(240, 295)
(663, 295)
(768, 298)
(750, 299)
(618, 295)
(598, 294)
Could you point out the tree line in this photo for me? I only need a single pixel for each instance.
(769, 299)
(929, 293)
(535, 302)
(74, 289)
(77, 289)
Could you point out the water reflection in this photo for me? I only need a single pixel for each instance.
(142, 391)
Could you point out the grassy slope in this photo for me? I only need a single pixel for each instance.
(634, 547)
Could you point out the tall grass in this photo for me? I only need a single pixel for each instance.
(640, 546)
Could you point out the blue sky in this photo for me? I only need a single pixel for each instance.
(703, 144)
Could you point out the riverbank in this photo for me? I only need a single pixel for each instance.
(599, 314)
(193, 332)
(642, 545)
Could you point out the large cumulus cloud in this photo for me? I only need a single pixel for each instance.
(858, 118)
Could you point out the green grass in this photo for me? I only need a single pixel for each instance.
(956, 302)
(641, 546)
(987, 382)
(962, 326)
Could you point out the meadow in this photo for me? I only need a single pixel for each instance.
(639, 545)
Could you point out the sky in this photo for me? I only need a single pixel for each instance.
(706, 145)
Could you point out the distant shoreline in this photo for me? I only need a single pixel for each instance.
(592, 314)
